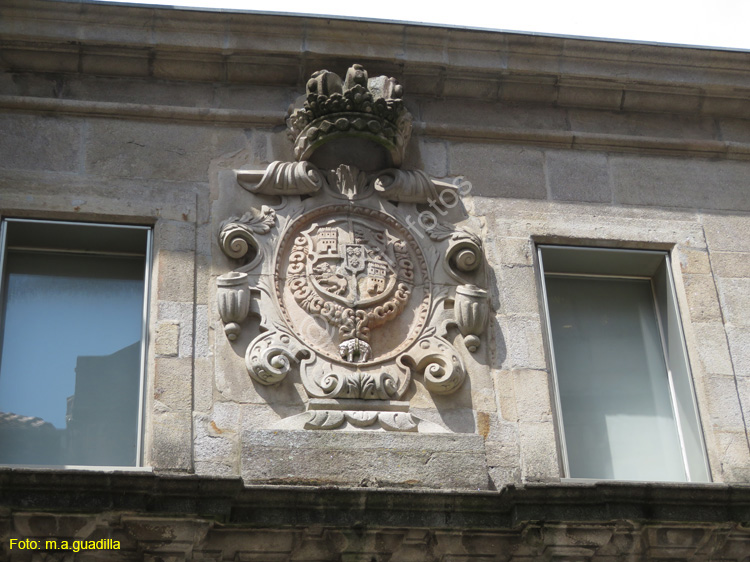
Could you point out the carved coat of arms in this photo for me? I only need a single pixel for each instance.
(356, 292)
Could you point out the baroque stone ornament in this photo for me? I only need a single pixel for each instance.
(361, 291)
(233, 296)
(355, 107)
(471, 313)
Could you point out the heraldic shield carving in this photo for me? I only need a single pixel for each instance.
(361, 291)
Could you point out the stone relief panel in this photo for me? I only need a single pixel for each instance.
(360, 293)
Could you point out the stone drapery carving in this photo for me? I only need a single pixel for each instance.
(358, 293)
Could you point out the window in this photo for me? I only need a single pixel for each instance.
(72, 342)
(624, 393)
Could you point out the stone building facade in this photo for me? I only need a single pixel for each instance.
(350, 342)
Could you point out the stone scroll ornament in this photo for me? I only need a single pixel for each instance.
(362, 281)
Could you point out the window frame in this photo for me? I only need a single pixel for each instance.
(147, 274)
(655, 265)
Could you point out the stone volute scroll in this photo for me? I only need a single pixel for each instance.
(365, 280)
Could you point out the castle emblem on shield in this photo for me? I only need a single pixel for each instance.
(336, 280)
(354, 275)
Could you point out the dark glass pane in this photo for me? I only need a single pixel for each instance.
(71, 358)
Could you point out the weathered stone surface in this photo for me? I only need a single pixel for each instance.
(175, 236)
(32, 142)
(739, 345)
(505, 393)
(499, 171)
(171, 441)
(502, 447)
(539, 459)
(687, 101)
(203, 384)
(126, 89)
(176, 276)
(459, 418)
(434, 157)
(638, 124)
(329, 458)
(722, 229)
(694, 260)
(518, 286)
(217, 436)
(732, 449)
(702, 298)
(463, 113)
(677, 183)
(75, 197)
(203, 279)
(735, 299)
(512, 251)
(263, 416)
(630, 227)
(736, 130)
(724, 403)
(519, 343)
(182, 313)
(213, 447)
(743, 389)
(712, 348)
(577, 95)
(731, 264)
(167, 338)
(577, 176)
(217, 518)
(541, 140)
(164, 151)
(172, 383)
(532, 393)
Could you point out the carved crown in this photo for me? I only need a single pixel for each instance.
(358, 106)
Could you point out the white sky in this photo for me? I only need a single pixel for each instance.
(715, 23)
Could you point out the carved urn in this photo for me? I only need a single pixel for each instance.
(471, 310)
(233, 297)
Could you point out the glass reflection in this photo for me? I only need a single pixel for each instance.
(70, 363)
(613, 382)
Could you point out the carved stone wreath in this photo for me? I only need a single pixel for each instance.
(354, 270)
(354, 297)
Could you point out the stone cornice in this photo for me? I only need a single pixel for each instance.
(227, 500)
(239, 48)
(701, 148)
(161, 516)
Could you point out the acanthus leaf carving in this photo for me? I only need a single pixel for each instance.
(464, 254)
(348, 181)
(272, 355)
(398, 421)
(324, 419)
(366, 386)
(388, 421)
(361, 418)
(237, 235)
(438, 362)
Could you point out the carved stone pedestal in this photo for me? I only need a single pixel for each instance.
(372, 458)
(367, 300)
